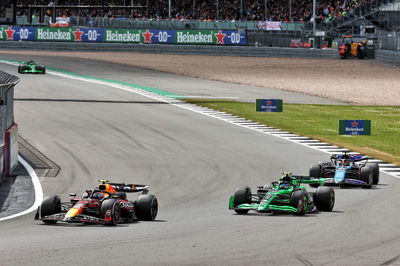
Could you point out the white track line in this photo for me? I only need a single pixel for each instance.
(37, 187)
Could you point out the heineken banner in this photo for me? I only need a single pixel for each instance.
(269, 105)
(17, 33)
(145, 36)
(354, 127)
(54, 34)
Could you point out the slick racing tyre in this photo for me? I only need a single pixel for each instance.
(315, 171)
(146, 207)
(110, 211)
(375, 172)
(366, 176)
(19, 69)
(324, 199)
(299, 200)
(51, 205)
(241, 196)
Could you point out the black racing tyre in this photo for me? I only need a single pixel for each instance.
(315, 171)
(50, 205)
(242, 195)
(375, 172)
(19, 69)
(146, 207)
(299, 200)
(324, 199)
(44, 69)
(110, 207)
(366, 176)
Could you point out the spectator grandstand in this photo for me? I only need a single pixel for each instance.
(227, 10)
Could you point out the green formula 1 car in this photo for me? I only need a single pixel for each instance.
(286, 195)
(31, 67)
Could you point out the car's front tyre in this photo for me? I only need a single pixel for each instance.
(51, 205)
(110, 209)
(242, 195)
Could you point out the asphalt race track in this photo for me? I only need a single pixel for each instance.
(193, 163)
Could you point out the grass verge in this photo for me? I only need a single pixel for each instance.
(321, 122)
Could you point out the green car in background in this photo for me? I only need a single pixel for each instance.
(31, 67)
(287, 195)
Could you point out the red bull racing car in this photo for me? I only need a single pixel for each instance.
(107, 204)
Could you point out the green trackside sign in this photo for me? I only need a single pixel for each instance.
(54, 34)
(3, 35)
(269, 105)
(123, 36)
(354, 127)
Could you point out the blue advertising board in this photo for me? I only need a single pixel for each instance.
(17, 33)
(269, 105)
(233, 37)
(159, 36)
(354, 127)
(88, 34)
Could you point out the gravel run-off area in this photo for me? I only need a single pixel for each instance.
(360, 82)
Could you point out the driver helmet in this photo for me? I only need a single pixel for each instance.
(284, 185)
(97, 195)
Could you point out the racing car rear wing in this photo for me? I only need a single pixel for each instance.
(125, 187)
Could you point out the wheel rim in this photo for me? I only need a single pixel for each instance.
(154, 209)
(116, 214)
(305, 204)
(332, 200)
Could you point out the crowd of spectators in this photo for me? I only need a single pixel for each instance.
(207, 10)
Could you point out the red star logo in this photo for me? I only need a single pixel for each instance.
(78, 34)
(354, 124)
(269, 102)
(147, 36)
(10, 33)
(220, 37)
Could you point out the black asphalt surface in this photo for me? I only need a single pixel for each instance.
(193, 163)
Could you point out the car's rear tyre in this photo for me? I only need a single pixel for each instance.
(146, 207)
(110, 207)
(43, 69)
(324, 199)
(19, 69)
(299, 201)
(315, 171)
(375, 172)
(366, 176)
(242, 195)
(51, 205)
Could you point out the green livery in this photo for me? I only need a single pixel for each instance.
(31, 67)
(287, 195)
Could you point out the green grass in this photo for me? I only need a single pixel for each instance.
(321, 122)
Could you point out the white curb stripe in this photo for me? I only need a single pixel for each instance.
(37, 187)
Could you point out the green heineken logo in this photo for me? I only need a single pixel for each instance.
(50, 34)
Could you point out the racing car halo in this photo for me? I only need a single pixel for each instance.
(347, 170)
(107, 204)
(286, 195)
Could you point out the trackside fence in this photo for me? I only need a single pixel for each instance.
(8, 129)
